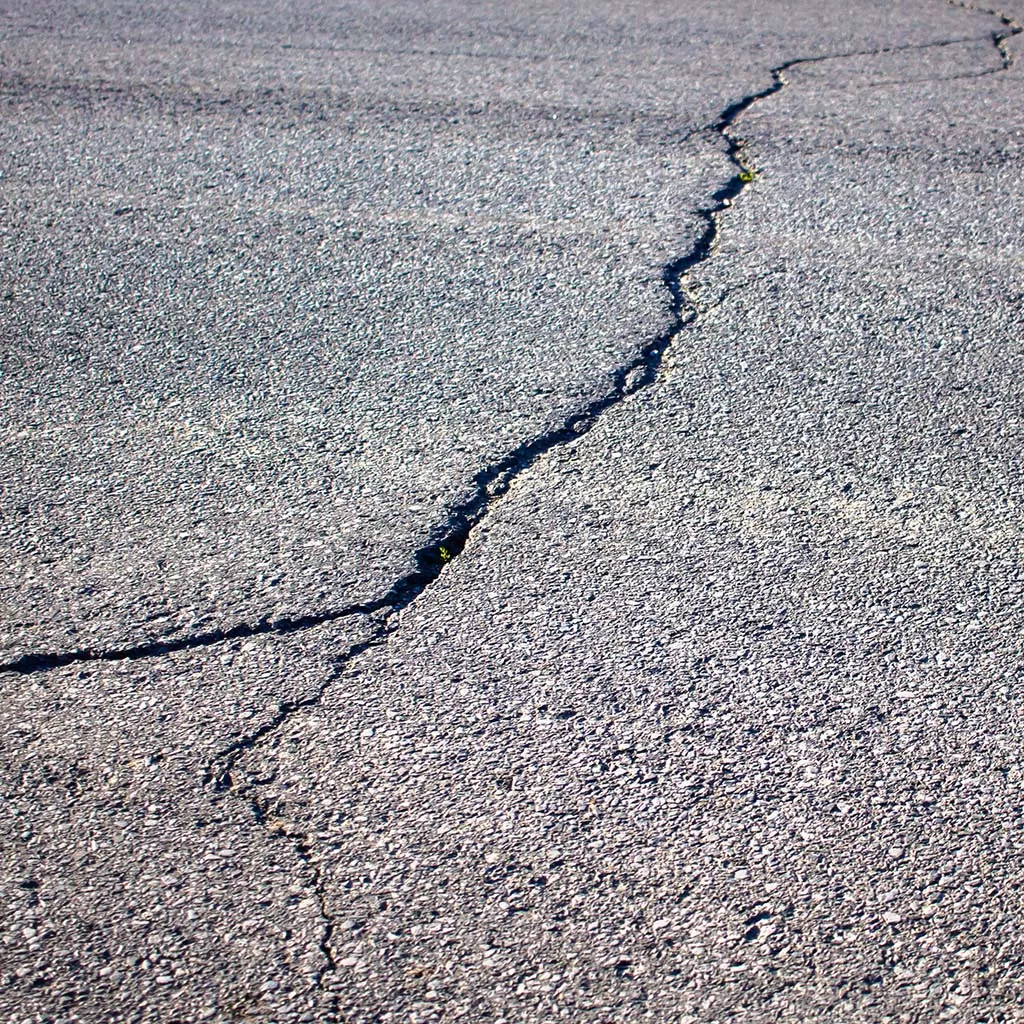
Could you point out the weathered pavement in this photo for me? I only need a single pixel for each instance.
(715, 715)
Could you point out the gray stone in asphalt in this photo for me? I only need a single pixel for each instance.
(648, 746)
(131, 891)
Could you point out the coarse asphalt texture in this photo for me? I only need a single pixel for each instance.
(511, 512)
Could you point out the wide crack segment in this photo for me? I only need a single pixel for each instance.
(449, 538)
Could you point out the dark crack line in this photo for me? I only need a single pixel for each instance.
(716, 127)
(29, 663)
(304, 851)
(492, 483)
(218, 771)
(1000, 40)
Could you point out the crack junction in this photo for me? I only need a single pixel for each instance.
(449, 538)
(491, 483)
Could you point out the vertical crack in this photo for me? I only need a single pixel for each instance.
(304, 851)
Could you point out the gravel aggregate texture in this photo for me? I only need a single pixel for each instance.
(278, 281)
(511, 513)
(129, 893)
(718, 717)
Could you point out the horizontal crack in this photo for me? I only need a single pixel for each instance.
(45, 662)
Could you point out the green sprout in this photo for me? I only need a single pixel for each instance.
(445, 554)
(747, 175)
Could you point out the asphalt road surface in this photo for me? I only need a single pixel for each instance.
(511, 512)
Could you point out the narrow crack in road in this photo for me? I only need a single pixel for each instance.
(490, 484)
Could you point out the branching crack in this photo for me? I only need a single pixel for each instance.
(491, 483)
(447, 540)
